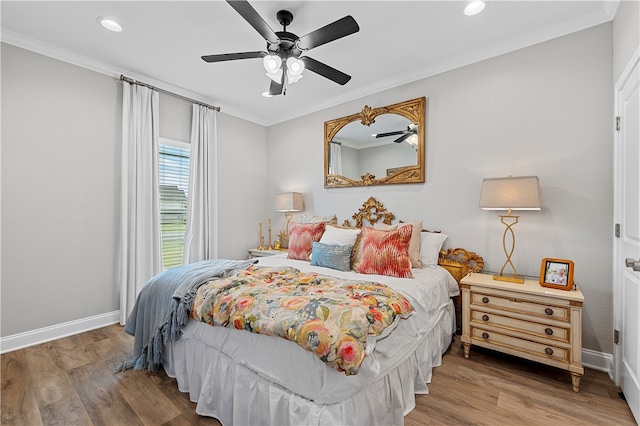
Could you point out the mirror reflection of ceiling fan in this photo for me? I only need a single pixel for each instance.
(283, 60)
(409, 135)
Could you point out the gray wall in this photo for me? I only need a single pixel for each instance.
(545, 110)
(174, 115)
(61, 133)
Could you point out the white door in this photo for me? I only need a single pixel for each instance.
(627, 246)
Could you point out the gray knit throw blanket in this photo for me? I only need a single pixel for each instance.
(163, 305)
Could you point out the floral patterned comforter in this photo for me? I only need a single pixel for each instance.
(328, 316)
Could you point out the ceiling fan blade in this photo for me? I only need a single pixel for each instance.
(384, 135)
(402, 138)
(275, 88)
(254, 19)
(335, 30)
(325, 70)
(233, 56)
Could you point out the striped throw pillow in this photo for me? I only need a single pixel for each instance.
(302, 237)
(384, 252)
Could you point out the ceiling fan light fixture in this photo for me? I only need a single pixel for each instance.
(272, 64)
(295, 67)
(292, 79)
(474, 7)
(283, 45)
(276, 76)
(413, 140)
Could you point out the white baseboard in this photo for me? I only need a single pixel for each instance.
(46, 334)
(598, 361)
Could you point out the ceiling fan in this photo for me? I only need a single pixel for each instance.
(412, 129)
(283, 59)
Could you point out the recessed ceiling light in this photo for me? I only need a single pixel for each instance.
(474, 8)
(110, 24)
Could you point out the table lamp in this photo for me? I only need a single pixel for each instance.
(289, 202)
(510, 193)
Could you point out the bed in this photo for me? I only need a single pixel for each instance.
(245, 378)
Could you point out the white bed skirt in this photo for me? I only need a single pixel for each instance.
(235, 394)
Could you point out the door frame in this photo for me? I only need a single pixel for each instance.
(617, 269)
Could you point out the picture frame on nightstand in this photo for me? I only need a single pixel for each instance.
(556, 273)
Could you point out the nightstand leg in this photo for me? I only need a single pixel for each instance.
(575, 381)
(466, 347)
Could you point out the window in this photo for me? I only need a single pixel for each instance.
(174, 193)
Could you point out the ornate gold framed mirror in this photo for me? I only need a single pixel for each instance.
(377, 146)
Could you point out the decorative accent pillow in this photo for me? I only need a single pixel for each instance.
(430, 246)
(301, 238)
(332, 256)
(384, 252)
(339, 236)
(384, 226)
(415, 244)
(309, 218)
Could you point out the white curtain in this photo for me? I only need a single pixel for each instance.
(200, 241)
(335, 158)
(140, 251)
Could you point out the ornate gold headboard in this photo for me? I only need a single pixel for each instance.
(372, 210)
(459, 262)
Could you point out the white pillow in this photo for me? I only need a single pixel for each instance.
(384, 226)
(339, 236)
(415, 244)
(309, 218)
(430, 246)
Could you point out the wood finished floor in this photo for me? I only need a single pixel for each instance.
(70, 381)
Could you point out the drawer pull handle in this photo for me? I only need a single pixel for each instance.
(485, 299)
(485, 318)
(548, 351)
(485, 335)
(548, 311)
(548, 331)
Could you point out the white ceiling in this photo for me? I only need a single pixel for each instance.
(398, 42)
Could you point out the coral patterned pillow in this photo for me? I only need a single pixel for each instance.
(301, 239)
(385, 252)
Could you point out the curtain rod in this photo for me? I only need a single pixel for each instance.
(132, 81)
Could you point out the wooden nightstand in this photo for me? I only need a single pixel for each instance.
(254, 252)
(526, 320)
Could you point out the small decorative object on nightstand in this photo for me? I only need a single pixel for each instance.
(526, 320)
(261, 246)
(256, 252)
(556, 273)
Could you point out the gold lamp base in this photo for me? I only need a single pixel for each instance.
(509, 278)
(509, 220)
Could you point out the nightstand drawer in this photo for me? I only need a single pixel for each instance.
(536, 330)
(519, 304)
(520, 345)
